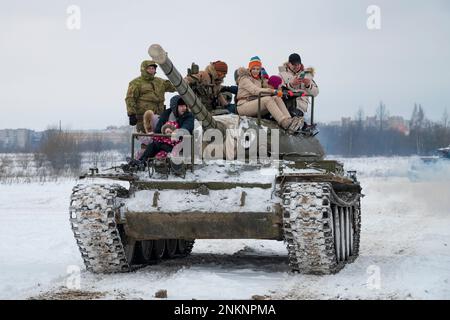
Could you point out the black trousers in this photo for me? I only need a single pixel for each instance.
(153, 148)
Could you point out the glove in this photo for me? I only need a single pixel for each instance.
(287, 94)
(295, 82)
(133, 120)
(279, 93)
(230, 89)
(307, 83)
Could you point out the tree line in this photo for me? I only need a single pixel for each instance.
(352, 138)
(358, 138)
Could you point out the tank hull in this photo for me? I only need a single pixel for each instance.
(313, 208)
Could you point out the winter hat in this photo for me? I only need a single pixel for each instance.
(275, 81)
(169, 125)
(254, 62)
(144, 65)
(181, 102)
(220, 66)
(294, 58)
(264, 73)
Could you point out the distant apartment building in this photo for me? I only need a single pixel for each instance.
(16, 139)
(371, 122)
(115, 135)
(346, 121)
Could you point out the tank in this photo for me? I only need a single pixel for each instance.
(298, 197)
(444, 152)
(431, 168)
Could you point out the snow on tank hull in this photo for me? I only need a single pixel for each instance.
(314, 210)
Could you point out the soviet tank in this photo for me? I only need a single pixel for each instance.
(430, 168)
(298, 197)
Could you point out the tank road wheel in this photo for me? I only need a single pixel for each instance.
(129, 246)
(159, 248)
(181, 246)
(94, 211)
(185, 247)
(146, 248)
(171, 248)
(321, 228)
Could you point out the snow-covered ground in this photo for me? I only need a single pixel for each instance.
(405, 249)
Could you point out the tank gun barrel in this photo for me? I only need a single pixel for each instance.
(198, 109)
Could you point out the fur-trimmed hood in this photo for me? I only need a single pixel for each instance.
(288, 76)
(212, 72)
(285, 68)
(173, 125)
(242, 73)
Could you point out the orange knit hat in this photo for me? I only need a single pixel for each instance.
(254, 61)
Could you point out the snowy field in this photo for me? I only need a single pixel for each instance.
(405, 249)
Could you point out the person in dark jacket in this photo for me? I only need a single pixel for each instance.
(178, 114)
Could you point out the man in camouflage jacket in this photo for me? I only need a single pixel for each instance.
(146, 93)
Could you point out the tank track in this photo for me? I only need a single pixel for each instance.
(321, 228)
(94, 212)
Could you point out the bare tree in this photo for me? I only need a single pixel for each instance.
(24, 161)
(445, 120)
(416, 125)
(61, 150)
(5, 167)
(382, 115)
(359, 117)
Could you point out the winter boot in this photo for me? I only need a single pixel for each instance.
(309, 129)
(286, 123)
(295, 126)
(133, 165)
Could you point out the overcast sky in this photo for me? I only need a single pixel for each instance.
(50, 73)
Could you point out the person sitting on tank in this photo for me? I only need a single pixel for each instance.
(178, 113)
(150, 121)
(160, 147)
(207, 85)
(250, 85)
(298, 79)
(275, 83)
